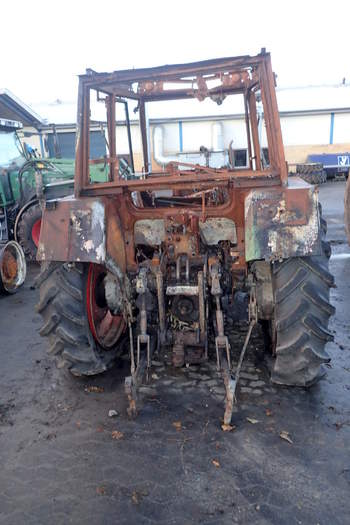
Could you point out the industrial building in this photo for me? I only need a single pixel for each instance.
(314, 120)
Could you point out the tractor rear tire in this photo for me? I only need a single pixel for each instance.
(63, 307)
(312, 173)
(28, 231)
(302, 311)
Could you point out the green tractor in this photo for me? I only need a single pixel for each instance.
(26, 181)
(22, 177)
(12, 261)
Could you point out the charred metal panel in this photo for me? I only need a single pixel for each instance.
(282, 222)
(73, 230)
(264, 291)
(218, 229)
(150, 232)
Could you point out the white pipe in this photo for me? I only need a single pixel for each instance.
(158, 145)
(217, 137)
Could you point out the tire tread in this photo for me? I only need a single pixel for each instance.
(61, 305)
(302, 311)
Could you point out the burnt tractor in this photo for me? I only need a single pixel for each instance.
(166, 256)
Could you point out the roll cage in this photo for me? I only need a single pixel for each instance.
(250, 76)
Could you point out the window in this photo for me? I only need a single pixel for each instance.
(111, 156)
(10, 152)
(240, 158)
(265, 157)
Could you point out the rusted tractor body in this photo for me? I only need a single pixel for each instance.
(169, 256)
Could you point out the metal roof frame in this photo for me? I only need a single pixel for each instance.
(11, 107)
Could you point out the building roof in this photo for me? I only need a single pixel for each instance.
(311, 98)
(13, 108)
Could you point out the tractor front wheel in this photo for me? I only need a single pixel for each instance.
(28, 230)
(84, 335)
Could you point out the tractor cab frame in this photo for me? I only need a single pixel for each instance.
(251, 77)
(169, 251)
(195, 188)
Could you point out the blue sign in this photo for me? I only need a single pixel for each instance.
(343, 160)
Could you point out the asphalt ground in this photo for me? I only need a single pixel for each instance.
(64, 460)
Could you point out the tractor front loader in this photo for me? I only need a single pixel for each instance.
(170, 255)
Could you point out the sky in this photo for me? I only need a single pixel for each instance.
(46, 44)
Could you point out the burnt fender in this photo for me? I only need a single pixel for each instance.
(76, 230)
(282, 222)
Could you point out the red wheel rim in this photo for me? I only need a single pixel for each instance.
(36, 232)
(105, 327)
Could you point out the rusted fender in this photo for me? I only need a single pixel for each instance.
(76, 230)
(282, 222)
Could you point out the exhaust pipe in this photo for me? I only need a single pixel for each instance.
(13, 267)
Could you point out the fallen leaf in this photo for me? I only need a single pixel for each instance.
(94, 389)
(285, 435)
(228, 428)
(268, 412)
(138, 495)
(177, 425)
(339, 424)
(216, 463)
(101, 491)
(135, 497)
(252, 420)
(117, 435)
